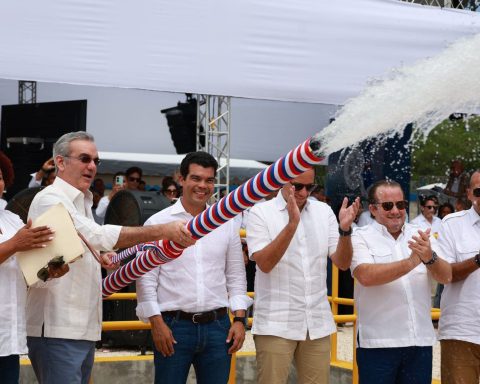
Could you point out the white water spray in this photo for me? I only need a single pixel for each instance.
(425, 94)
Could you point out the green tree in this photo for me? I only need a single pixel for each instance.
(432, 155)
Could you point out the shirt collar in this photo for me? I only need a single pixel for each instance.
(281, 203)
(383, 230)
(179, 209)
(69, 190)
(474, 216)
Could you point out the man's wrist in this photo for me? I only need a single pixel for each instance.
(240, 319)
(343, 233)
(432, 260)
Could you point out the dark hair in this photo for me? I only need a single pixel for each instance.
(445, 205)
(201, 158)
(131, 170)
(7, 169)
(372, 199)
(424, 199)
(167, 182)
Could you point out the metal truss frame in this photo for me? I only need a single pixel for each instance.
(213, 135)
(27, 92)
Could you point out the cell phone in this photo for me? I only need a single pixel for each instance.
(119, 180)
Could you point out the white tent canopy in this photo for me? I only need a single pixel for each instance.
(320, 51)
(161, 165)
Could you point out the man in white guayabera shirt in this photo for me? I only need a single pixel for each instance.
(393, 263)
(290, 239)
(459, 327)
(64, 316)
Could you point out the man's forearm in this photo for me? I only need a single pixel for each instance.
(441, 271)
(460, 271)
(268, 257)
(377, 274)
(130, 236)
(342, 257)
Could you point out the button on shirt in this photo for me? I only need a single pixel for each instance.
(292, 298)
(13, 293)
(396, 314)
(71, 307)
(460, 304)
(207, 276)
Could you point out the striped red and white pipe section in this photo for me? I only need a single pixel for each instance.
(152, 254)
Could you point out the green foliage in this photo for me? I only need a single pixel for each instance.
(431, 157)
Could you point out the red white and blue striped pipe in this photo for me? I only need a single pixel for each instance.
(152, 254)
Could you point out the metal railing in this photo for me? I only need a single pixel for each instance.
(334, 300)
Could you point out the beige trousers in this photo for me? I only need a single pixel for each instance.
(460, 362)
(275, 355)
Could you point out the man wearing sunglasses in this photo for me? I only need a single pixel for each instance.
(459, 326)
(64, 317)
(290, 238)
(427, 219)
(392, 262)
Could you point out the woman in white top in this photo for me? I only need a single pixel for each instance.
(14, 237)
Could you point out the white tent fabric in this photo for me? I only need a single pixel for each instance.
(320, 51)
(161, 165)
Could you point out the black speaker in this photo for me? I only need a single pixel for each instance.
(133, 208)
(129, 208)
(182, 123)
(28, 132)
(20, 203)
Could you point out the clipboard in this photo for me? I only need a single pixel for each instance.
(65, 243)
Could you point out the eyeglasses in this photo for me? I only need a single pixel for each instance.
(85, 159)
(476, 192)
(299, 186)
(171, 191)
(435, 207)
(133, 179)
(388, 205)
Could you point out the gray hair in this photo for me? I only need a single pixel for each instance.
(62, 146)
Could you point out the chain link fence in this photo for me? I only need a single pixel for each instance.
(473, 5)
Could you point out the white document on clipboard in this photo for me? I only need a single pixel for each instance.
(65, 243)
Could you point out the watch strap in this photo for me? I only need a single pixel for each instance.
(241, 319)
(432, 260)
(344, 233)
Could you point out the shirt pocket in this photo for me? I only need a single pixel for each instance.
(381, 255)
(466, 250)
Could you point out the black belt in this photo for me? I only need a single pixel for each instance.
(199, 317)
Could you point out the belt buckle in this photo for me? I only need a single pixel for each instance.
(193, 317)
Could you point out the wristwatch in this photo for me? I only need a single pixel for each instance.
(344, 233)
(241, 319)
(477, 259)
(432, 260)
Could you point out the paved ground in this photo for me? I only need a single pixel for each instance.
(344, 348)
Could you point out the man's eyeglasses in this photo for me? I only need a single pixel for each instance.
(476, 192)
(388, 205)
(85, 159)
(134, 179)
(434, 207)
(299, 186)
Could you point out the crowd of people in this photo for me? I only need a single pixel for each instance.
(290, 237)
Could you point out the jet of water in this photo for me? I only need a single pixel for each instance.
(425, 93)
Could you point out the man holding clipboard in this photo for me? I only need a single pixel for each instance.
(64, 315)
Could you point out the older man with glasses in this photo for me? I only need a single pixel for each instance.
(64, 317)
(459, 327)
(393, 262)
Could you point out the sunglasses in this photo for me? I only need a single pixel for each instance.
(56, 262)
(388, 205)
(435, 207)
(171, 191)
(299, 186)
(476, 192)
(132, 179)
(85, 159)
